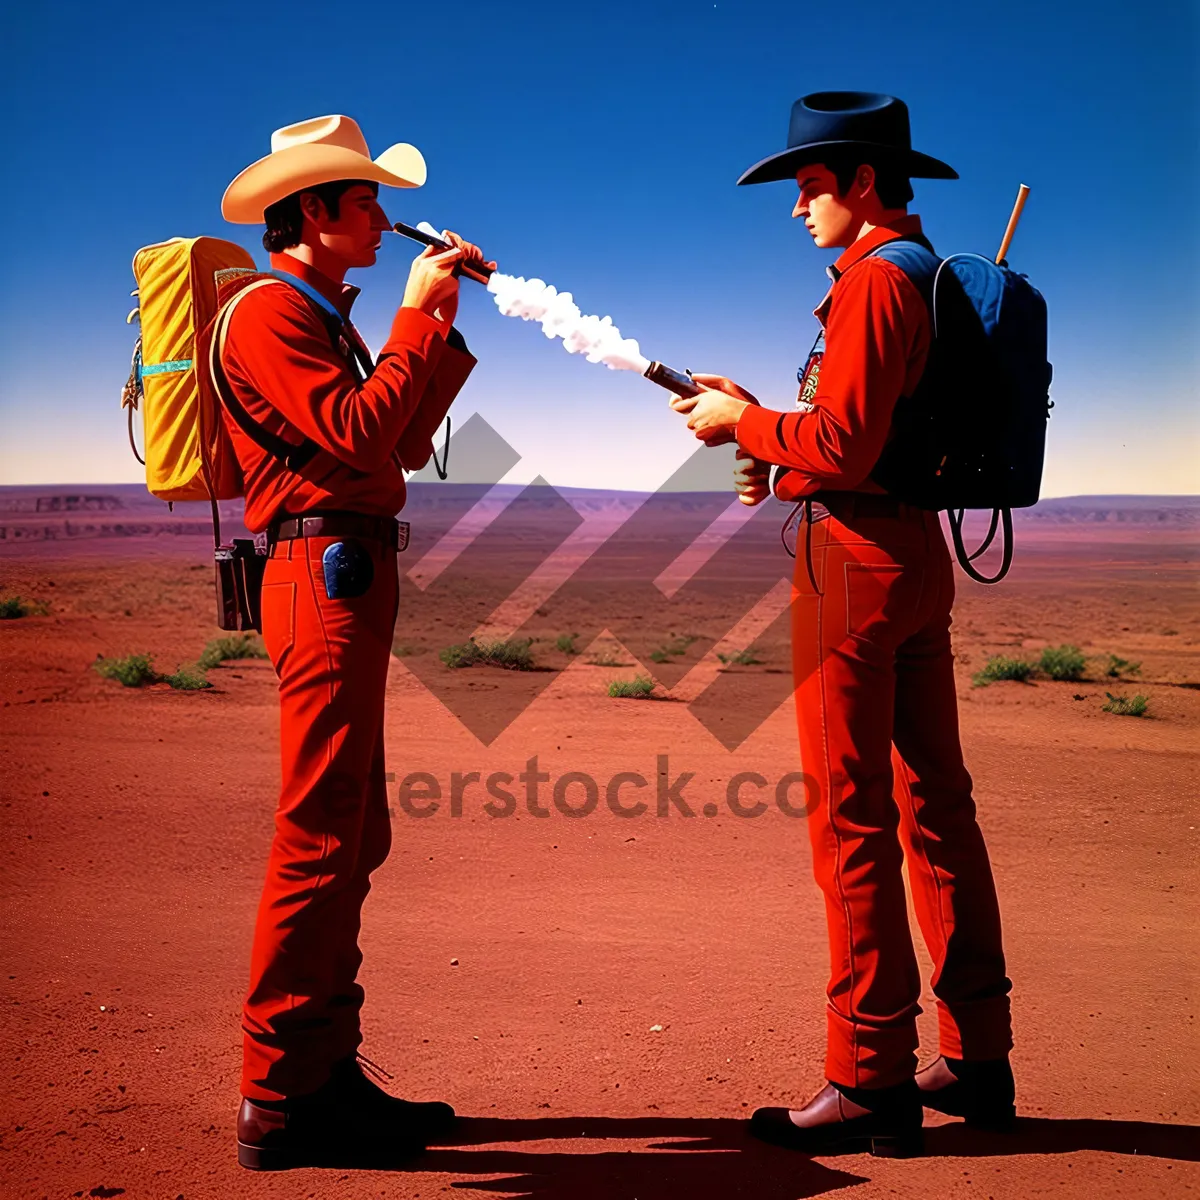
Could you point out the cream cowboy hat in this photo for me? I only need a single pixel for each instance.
(320, 150)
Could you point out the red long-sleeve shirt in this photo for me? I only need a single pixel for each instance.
(877, 337)
(283, 367)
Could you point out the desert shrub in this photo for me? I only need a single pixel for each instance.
(999, 667)
(222, 649)
(638, 688)
(188, 679)
(407, 650)
(676, 646)
(512, 654)
(1121, 666)
(566, 643)
(743, 658)
(133, 670)
(463, 654)
(1126, 706)
(1064, 663)
(14, 607)
(608, 658)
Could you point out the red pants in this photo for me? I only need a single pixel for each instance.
(886, 786)
(332, 827)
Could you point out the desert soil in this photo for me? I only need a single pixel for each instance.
(604, 999)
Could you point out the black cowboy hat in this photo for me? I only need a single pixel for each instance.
(839, 121)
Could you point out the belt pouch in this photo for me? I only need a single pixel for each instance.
(239, 569)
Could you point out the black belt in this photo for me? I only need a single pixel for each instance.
(860, 504)
(336, 524)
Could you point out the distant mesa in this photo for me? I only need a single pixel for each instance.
(60, 502)
(1125, 510)
(66, 512)
(76, 512)
(47, 504)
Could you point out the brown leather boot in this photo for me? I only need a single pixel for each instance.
(348, 1122)
(839, 1121)
(981, 1092)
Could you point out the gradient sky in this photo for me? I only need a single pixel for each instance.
(597, 146)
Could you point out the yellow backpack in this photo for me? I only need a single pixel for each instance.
(180, 286)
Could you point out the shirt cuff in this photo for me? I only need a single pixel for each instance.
(757, 431)
(417, 330)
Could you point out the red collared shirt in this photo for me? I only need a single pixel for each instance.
(283, 366)
(877, 337)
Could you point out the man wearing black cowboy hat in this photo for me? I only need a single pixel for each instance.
(875, 692)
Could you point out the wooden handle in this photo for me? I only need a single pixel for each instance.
(1022, 195)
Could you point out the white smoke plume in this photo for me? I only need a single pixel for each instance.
(596, 338)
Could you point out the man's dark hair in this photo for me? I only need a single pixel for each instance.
(891, 184)
(285, 219)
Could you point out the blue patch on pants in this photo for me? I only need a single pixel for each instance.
(348, 570)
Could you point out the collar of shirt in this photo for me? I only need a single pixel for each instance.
(905, 227)
(340, 295)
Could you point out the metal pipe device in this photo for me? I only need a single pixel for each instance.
(479, 274)
(679, 382)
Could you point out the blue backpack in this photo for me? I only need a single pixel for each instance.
(973, 433)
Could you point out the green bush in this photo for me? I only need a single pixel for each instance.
(222, 649)
(743, 658)
(1126, 706)
(14, 607)
(188, 679)
(999, 667)
(1064, 663)
(638, 688)
(566, 643)
(608, 658)
(513, 654)
(1117, 667)
(463, 654)
(133, 670)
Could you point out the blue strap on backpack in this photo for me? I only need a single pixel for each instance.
(973, 433)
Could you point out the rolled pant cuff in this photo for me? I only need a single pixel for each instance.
(272, 1073)
(977, 1030)
(867, 1056)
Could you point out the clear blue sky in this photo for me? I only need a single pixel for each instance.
(597, 147)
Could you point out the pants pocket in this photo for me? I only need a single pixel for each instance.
(870, 593)
(278, 618)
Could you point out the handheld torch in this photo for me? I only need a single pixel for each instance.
(679, 382)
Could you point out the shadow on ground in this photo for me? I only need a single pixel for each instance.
(710, 1159)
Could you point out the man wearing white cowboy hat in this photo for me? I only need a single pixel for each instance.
(323, 448)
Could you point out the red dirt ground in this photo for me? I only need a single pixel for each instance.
(136, 826)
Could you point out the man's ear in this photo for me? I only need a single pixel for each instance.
(865, 179)
(312, 207)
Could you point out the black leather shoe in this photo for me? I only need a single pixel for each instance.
(348, 1122)
(981, 1092)
(838, 1121)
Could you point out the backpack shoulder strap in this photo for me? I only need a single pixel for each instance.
(915, 257)
(292, 456)
(344, 336)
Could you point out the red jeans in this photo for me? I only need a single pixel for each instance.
(886, 785)
(332, 827)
